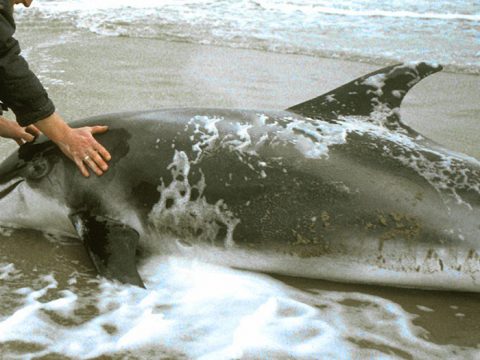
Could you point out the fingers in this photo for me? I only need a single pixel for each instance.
(99, 129)
(23, 138)
(103, 152)
(27, 136)
(98, 161)
(105, 155)
(12, 130)
(81, 166)
(94, 162)
(32, 129)
(93, 165)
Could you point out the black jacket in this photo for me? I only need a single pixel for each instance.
(20, 89)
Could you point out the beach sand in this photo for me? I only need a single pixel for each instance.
(90, 75)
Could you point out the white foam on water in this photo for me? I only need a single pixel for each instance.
(207, 132)
(8, 272)
(306, 7)
(194, 310)
(424, 308)
(316, 8)
(312, 138)
(301, 26)
(376, 81)
(445, 171)
(186, 217)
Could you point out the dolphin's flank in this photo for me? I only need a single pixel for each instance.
(335, 188)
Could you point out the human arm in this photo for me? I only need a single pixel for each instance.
(21, 91)
(78, 144)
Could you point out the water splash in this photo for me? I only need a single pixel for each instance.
(194, 310)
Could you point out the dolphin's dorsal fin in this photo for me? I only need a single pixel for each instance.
(385, 87)
(111, 246)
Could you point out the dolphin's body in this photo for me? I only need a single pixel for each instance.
(334, 188)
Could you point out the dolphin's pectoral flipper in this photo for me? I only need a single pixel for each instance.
(364, 95)
(111, 246)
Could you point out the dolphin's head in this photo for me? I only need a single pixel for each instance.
(31, 163)
(26, 181)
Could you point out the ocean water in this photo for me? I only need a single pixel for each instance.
(374, 31)
(52, 304)
(192, 310)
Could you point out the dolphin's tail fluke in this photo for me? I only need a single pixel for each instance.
(385, 87)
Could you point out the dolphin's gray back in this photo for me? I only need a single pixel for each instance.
(366, 179)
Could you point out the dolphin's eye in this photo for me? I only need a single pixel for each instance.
(38, 168)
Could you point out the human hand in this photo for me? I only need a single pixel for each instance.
(82, 148)
(11, 130)
(77, 144)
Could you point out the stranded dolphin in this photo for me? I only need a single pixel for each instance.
(335, 188)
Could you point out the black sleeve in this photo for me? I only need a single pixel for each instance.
(20, 89)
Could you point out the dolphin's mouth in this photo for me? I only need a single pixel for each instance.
(9, 187)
